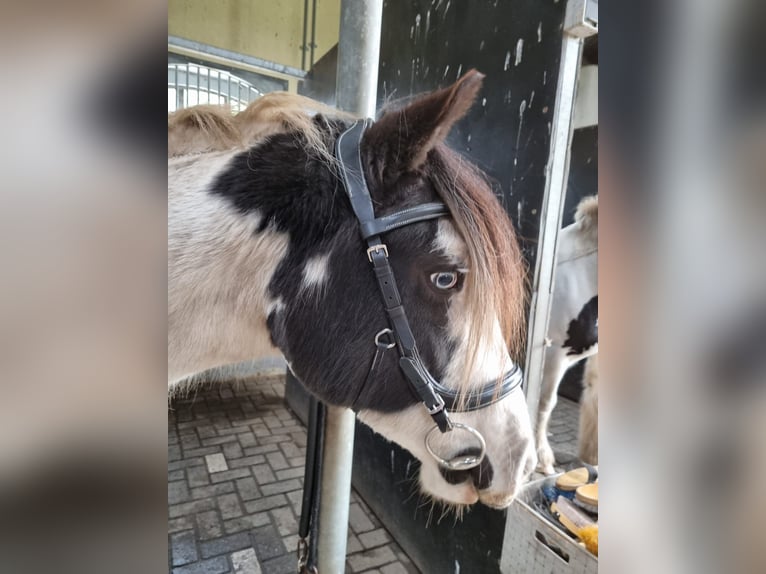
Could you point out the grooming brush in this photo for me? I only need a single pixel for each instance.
(577, 522)
(586, 497)
(570, 481)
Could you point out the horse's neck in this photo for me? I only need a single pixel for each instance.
(219, 269)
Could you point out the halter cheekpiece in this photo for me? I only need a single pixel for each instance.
(437, 398)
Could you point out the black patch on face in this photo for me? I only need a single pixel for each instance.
(583, 331)
(329, 339)
(481, 476)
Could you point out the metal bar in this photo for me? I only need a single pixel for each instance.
(356, 90)
(313, 31)
(557, 172)
(358, 54)
(213, 54)
(305, 33)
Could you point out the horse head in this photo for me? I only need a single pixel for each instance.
(460, 278)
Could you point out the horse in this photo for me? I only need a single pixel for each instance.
(573, 332)
(266, 258)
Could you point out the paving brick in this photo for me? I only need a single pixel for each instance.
(268, 543)
(358, 519)
(395, 568)
(180, 523)
(290, 449)
(247, 488)
(266, 503)
(263, 474)
(176, 510)
(290, 473)
(219, 440)
(247, 461)
(298, 461)
(229, 506)
(219, 565)
(212, 490)
(186, 463)
(377, 537)
(178, 491)
(226, 544)
(216, 463)
(246, 522)
(206, 431)
(232, 451)
(174, 453)
(274, 439)
(295, 497)
(284, 520)
(245, 562)
(279, 487)
(286, 564)
(247, 439)
(183, 548)
(197, 476)
(230, 474)
(371, 558)
(261, 449)
(291, 542)
(176, 475)
(203, 451)
(277, 460)
(209, 525)
(353, 544)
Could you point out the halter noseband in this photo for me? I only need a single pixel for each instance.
(436, 397)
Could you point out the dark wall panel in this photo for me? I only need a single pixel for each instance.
(516, 43)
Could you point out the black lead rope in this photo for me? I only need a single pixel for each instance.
(312, 484)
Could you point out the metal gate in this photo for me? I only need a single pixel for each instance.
(192, 84)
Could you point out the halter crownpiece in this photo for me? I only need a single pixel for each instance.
(436, 397)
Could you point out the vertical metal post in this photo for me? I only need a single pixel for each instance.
(356, 91)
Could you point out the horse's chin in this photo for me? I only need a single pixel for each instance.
(497, 502)
(432, 484)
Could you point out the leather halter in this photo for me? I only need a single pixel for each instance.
(436, 397)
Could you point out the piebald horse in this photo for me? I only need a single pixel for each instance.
(265, 257)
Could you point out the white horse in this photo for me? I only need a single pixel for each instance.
(573, 331)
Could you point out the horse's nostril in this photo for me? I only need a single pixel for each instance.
(480, 475)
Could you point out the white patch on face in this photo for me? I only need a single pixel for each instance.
(449, 243)
(316, 272)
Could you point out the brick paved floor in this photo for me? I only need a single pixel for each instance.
(235, 474)
(562, 430)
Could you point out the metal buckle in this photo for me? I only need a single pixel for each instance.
(439, 406)
(377, 248)
(385, 345)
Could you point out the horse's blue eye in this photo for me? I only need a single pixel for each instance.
(444, 280)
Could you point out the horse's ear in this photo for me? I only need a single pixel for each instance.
(406, 135)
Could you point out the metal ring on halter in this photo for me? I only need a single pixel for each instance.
(465, 462)
(385, 346)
